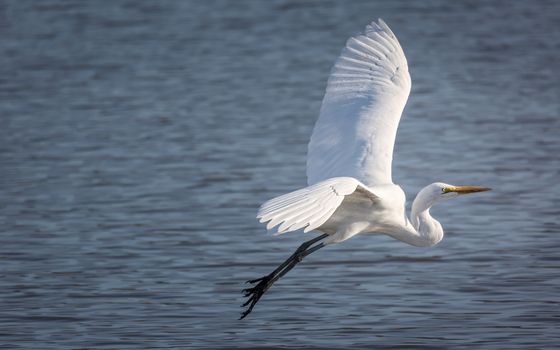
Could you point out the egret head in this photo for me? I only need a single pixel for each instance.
(440, 191)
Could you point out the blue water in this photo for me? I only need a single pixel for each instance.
(139, 138)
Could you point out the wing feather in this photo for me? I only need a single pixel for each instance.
(292, 216)
(320, 220)
(365, 96)
(309, 207)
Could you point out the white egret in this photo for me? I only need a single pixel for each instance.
(349, 161)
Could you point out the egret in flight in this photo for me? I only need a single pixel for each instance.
(349, 161)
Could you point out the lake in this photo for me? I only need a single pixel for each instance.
(139, 138)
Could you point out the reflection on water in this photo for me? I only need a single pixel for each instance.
(139, 138)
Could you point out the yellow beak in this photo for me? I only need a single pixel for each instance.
(468, 189)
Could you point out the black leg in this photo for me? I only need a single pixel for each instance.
(264, 283)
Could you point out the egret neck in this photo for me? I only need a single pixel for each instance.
(429, 230)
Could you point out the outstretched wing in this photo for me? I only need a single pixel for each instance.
(366, 94)
(310, 207)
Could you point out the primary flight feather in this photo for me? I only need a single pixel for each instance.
(349, 161)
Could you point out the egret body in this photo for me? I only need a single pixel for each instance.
(350, 190)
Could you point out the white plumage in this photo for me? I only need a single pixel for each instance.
(366, 94)
(352, 148)
(309, 207)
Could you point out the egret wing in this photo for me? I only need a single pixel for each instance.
(309, 207)
(366, 94)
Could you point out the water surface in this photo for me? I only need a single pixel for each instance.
(139, 138)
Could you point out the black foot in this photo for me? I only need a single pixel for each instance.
(255, 293)
(264, 283)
